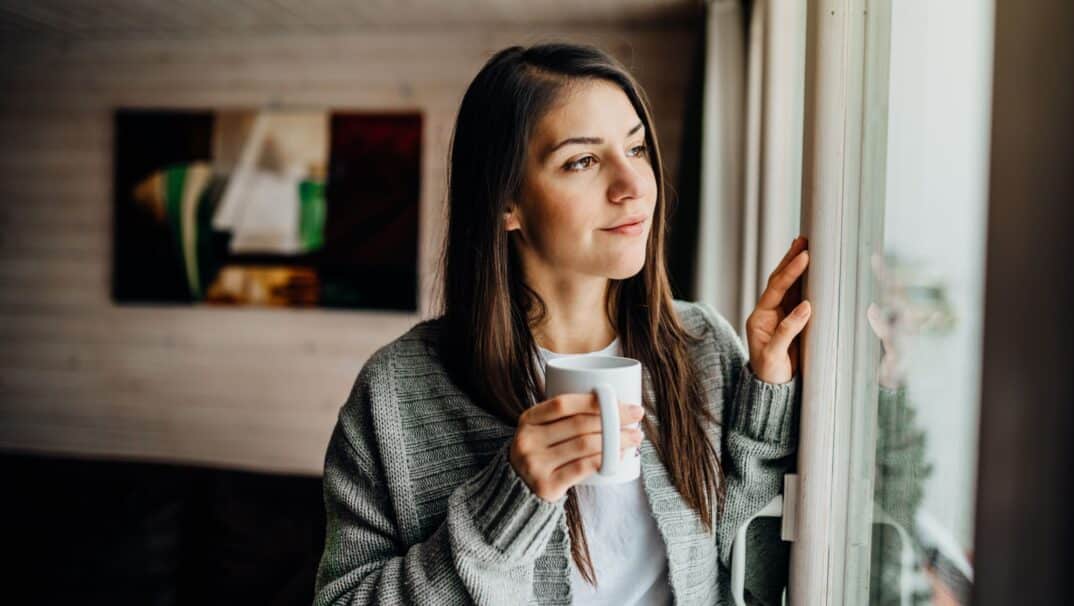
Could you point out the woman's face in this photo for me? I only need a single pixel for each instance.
(587, 170)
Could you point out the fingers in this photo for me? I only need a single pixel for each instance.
(798, 245)
(789, 328)
(583, 453)
(561, 406)
(587, 444)
(566, 428)
(540, 449)
(565, 405)
(782, 280)
(875, 321)
(576, 471)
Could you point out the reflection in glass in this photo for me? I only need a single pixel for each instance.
(923, 205)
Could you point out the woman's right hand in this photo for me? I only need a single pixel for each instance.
(558, 442)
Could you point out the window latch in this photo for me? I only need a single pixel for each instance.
(783, 506)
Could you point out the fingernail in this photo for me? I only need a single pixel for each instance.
(803, 308)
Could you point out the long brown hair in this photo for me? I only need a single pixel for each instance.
(488, 310)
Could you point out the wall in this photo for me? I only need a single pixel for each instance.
(256, 389)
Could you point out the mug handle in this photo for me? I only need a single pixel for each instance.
(609, 429)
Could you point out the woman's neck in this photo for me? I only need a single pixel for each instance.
(575, 319)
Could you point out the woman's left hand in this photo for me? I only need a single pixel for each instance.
(779, 317)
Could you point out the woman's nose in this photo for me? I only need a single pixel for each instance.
(628, 183)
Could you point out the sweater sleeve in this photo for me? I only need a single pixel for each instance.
(483, 552)
(901, 469)
(901, 465)
(760, 438)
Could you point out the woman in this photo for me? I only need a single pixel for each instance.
(449, 480)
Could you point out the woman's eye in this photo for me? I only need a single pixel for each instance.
(587, 161)
(577, 163)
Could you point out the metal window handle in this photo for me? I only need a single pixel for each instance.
(906, 555)
(774, 509)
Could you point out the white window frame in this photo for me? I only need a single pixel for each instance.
(847, 43)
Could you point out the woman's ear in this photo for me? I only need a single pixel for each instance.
(510, 217)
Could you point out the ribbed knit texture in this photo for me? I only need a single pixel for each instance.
(423, 506)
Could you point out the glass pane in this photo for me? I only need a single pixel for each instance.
(921, 264)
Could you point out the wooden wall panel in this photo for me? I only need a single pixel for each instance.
(251, 388)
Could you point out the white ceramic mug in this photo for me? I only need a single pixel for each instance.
(614, 380)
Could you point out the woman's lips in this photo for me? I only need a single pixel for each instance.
(630, 229)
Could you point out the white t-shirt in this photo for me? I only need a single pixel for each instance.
(625, 546)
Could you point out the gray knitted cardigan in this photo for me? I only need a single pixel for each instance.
(423, 506)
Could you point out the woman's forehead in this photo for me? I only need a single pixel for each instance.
(594, 110)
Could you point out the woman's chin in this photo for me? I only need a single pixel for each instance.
(622, 271)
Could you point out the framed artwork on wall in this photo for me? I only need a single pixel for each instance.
(295, 208)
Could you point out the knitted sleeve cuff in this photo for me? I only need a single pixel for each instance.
(511, 518)
(766, 412)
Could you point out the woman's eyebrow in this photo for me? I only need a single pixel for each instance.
(584, 141)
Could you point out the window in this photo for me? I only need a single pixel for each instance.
(894, 198)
